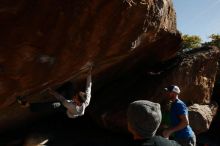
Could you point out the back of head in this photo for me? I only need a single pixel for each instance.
(144, 117)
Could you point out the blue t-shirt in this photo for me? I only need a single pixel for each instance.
(179, 108)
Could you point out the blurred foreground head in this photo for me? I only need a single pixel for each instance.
(144, 118)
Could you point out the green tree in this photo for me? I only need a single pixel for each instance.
(191, 41)
(215, 40)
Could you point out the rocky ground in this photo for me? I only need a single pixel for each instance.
(58, 130)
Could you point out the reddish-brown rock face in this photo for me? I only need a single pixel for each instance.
(45, 43)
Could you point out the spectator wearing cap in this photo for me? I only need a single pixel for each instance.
(144, 118)
(180, 127)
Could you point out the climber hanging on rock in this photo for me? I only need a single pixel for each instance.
(74, 107)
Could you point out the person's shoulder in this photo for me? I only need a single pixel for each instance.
(180, 103)
(161, 141)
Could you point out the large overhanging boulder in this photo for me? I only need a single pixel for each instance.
(46, 43)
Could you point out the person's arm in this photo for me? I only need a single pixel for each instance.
(62, 99)
(88, 88)
(56, 95)
(183, 123)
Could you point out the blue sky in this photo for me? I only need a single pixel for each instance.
(198, 17)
